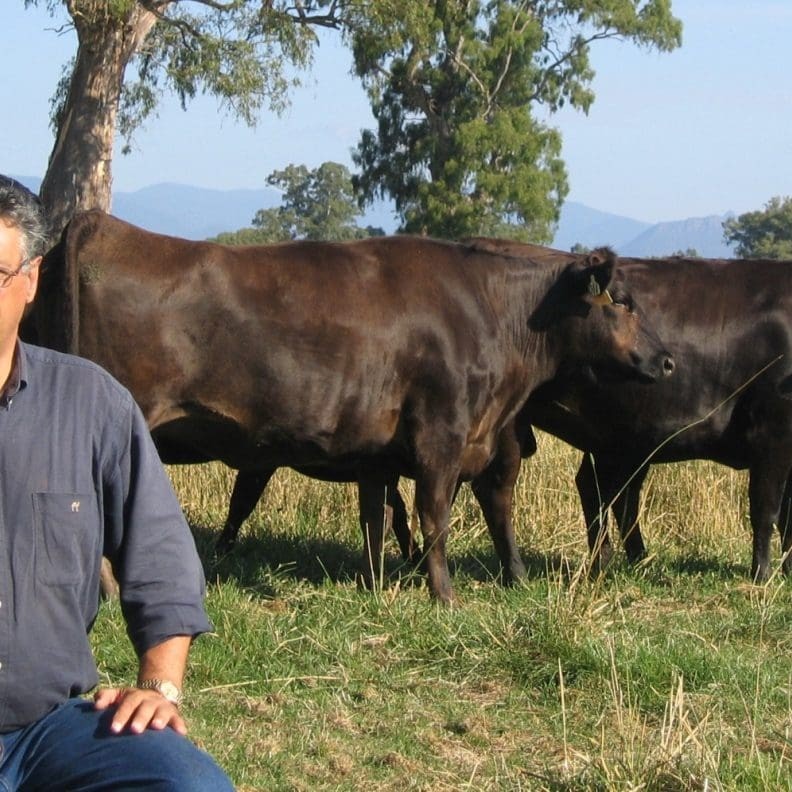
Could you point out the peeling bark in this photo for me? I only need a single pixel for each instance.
(79, 173)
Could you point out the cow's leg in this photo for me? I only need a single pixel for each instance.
(400, 522)
(434, 492)
(595, 512)
(785, 527)
(248, 486)
(601, 482)
(494, 490)
(766, 486)
(107, 582)
(376, 516)
(626, 505)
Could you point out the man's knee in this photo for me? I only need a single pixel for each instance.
(174, 764)
(77, 744)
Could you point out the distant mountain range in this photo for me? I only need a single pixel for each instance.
(199, 213)
(580, 224)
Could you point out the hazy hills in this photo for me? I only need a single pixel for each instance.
(628, 237)
(198, 213)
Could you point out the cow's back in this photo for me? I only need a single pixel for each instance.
(304, 349)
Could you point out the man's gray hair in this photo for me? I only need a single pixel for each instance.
(19, 207)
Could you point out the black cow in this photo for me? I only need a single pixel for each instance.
(390, 356)
(728, 324)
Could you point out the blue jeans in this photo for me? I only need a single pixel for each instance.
(73, 749)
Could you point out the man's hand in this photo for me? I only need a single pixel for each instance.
(138, 710)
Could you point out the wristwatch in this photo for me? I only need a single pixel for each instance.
(164, 688)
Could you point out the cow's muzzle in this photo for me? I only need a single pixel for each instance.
(658, 367)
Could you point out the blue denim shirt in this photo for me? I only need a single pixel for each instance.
(80, 478)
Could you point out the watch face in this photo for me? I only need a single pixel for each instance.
(164, 687)
(170, 691)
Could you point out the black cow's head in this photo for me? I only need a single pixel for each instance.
(591, 315)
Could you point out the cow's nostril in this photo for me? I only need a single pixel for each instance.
(668, 366)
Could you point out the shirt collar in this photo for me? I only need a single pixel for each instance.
(17, 380)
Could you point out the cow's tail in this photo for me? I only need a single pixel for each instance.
(56, 312)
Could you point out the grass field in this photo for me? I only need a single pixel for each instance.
(675, 675)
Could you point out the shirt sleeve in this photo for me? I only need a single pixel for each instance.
(149, 543)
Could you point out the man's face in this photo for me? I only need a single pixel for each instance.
(22, 287)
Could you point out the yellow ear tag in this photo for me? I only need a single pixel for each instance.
(603, 298)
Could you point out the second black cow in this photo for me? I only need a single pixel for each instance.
(728, 323)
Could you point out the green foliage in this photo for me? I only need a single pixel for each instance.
(453, 84)
(763, 234)
(243, 52)
(245, 236)
(317, 204)
(239, 52)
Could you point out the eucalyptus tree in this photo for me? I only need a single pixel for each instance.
(460, 89)
(243, 52)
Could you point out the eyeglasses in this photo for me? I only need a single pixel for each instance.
(6, 276)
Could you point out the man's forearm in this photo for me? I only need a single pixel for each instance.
(166, 660)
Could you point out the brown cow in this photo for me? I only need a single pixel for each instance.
(389, 356)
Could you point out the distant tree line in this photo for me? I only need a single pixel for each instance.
(321, 204)
(763, 234)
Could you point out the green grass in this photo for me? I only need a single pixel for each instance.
(671, 676)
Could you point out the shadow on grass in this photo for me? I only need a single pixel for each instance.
(484, 566)
(709, 566)
(256, 559)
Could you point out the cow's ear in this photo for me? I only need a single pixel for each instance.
(593, 275)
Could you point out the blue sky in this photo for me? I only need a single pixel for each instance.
(703, 130)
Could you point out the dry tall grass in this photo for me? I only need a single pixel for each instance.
(663, 677)
(688, 509)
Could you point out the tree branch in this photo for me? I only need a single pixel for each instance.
(330, 19)
(158, 7)
(490, 96)
(215, 4)
(507, 64)
(297, 12)
(561, 59)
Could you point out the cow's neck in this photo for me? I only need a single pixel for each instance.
(534, 331)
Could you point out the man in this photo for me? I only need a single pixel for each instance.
(79, 479)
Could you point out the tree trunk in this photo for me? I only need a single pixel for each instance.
(79, 174)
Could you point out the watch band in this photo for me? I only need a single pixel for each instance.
(164, 687)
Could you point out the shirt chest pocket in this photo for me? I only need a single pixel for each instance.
(67, 534)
